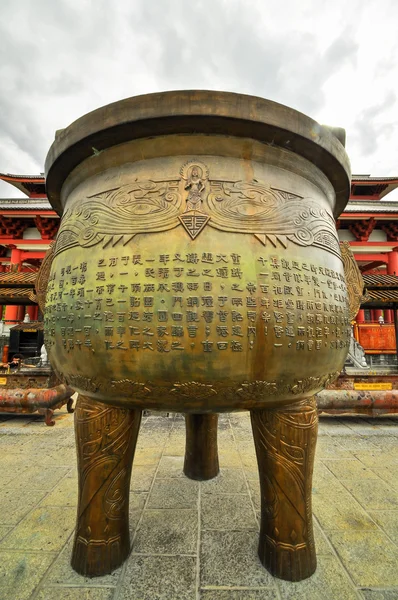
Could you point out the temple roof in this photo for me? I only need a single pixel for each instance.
(372, 188)
(17, 296)
(31, 185)
(25, 204)
(364, 206)
(380, 280)
(18, 279)
(381, 290)
(31, 325)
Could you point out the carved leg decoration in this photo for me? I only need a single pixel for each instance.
(285, 441)
(106, 437)
(201, 452)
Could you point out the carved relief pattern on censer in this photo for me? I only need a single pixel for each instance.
(355, 282)
(285, 441)
(274, 216)
(106, 442)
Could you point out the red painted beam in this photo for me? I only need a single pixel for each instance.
(372, 244)
(5, 241)
(371, 265)
(369, 258)
(27, 254)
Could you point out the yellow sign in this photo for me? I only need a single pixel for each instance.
(3, 380)
(372, 386)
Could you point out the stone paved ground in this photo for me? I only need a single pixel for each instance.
(198, 540)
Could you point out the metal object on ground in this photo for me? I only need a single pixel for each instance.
(197, 269)
(366, 402)
(44, 401)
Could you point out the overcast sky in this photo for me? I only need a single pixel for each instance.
(336, 61)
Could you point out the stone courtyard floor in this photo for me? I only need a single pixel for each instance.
(193, 540)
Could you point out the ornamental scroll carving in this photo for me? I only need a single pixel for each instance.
(43, 276)
(247, 390)
(106, 438)
(285, 442)
(276, 217)
(354, 280)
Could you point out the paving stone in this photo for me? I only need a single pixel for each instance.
(171, 466)
(38, 478)
(147, 456)
(15, 504)
(175, 493)
(61, 573)
(80, 593)
(349, 469)
(64, 494)
(4, 530)
(379, 594)
(356, 442)
(322, 546)
(229, 458)
(229, 558)
(388, 520)
(335, 508)
(230, 569)
(136, 506)
(370, 557)
(167, 531)
(321, 473)
(8, 472)
(46, 529)
(228, 481)
(227, 511)
(159, 578)
(327, 447)
(20, 573)
(241, 594)
(329, 582)
(225, 440)
(373, 495)
(333, 427)
(376, 458)
(61, 457)
(255, 494)
(142, 477)
(386, 442)
(174, 449)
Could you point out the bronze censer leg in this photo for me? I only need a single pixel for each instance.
(106, 437)
(197, 269)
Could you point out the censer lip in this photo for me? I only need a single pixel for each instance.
(198, 111)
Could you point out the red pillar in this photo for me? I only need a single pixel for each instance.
(31, 310)
(378, 313)
(12, 311)
(392, 264)
(360, 318)
(388, 316)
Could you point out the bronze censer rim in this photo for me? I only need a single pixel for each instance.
(198, 112)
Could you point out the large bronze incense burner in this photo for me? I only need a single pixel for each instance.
(197, 269)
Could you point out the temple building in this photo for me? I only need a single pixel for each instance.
(369, 223)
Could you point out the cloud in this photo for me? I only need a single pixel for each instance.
(62, 59)
(370, 128)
